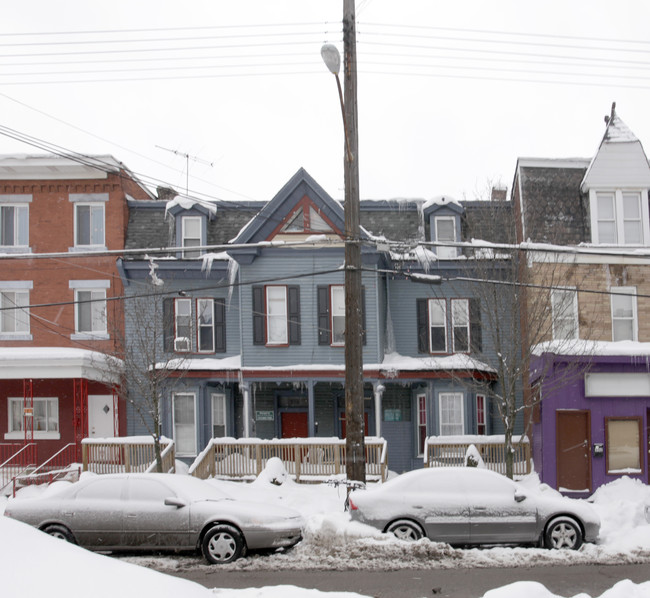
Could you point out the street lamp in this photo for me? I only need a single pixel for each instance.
(354, 413)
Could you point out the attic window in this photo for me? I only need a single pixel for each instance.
(306, 220)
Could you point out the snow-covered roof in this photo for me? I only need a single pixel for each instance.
(593, 348)
(187, 203)
(58, 362)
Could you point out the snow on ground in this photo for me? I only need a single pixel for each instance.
(331, 541)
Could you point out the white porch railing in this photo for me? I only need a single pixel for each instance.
(125, 454)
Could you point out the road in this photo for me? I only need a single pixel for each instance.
(453, 583)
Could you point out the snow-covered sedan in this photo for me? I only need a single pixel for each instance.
(147, 512)
(467, 505)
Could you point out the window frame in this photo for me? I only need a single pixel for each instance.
(215, 399)
(337, 303)
(619, 218)
(91, 303)
(200, 327)
(481, 419)
(466, 326)
(13, 434)
(180, 451)
(24, 307)
(443, 251)
(77, 225)
(276, 317)
(443, 304)
(617, 294)
(421, 422)
(190, 251)
(17, 221)
(460, 398)
(559, 309)
(608, 443)
(182, 301)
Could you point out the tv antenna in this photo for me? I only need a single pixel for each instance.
(187, 157)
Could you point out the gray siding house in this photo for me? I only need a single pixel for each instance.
(251, 298)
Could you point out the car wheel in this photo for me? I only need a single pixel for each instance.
(405, 530)
(563, 532)
(222, 544)
(60, 532)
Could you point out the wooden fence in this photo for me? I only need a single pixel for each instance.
(441, 451)
(306, 459)
(125, 455)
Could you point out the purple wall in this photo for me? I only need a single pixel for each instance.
(563, 388)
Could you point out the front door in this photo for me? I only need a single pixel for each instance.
(573, 441)
(294, 424)
(101, 416)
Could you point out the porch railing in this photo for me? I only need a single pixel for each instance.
(125, 454)
(15, 459)
(448, 451)
(60, 466)
(305, 459)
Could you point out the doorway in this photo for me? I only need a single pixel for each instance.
(573, 442)
(101, 416)
(294, 424)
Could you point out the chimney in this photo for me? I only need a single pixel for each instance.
(499, 194)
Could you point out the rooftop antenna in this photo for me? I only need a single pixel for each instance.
(187, 157)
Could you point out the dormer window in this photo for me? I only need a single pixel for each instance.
(445, 233)
(619, 217)
(191, 228)
(443, 215)
(306, 220)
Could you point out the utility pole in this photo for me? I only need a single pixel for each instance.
(354, 412)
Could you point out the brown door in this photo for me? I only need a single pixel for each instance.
(294, 424)
(573, 442)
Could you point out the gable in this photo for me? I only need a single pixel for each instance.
(300, 207)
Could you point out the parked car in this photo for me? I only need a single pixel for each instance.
(467, 505)
(147, 512)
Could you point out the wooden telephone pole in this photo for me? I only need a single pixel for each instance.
(354, 410)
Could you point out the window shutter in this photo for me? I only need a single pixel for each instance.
(258, 315)
(293, 313)
(168, 324)
(219, 326)
(323, 315)
(422, 325)
(475, 331)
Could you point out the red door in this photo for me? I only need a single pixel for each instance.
(294, 424)
(573, 442)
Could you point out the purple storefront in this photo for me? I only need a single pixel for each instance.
(592, 423)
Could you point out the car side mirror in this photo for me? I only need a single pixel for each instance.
(172, 501)
(519, 496)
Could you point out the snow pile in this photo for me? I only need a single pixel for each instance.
(532, 589)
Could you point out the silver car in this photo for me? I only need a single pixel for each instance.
(466, 505)
(149, 512)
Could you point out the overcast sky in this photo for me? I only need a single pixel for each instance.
(450, 93)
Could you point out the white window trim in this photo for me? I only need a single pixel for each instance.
(199, 326)
(17, 286)
(17, 247)
(336, 289)
(635, 315)
(184, 237)
(193, 395)
(442, 251)
(442, 302)
(618, 214)
(461, 399)
(467, 326)
(573, 315)
(85, 334)
(38, 435)
(284, 340)
(91, 246)
(219, 397)
(177, 302)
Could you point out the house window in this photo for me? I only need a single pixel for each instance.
(218, 415)
(45, 414)
(434, 320)
(437, 326)
(619, 218)
(90, 312)
(451, 413)
(422, 422)
(276, 316)
(624, 314)
(14, 312)
(205, 324)
(183, 325)
(184, 423)
(191, 227)
(306, 220)
(195, 325)
(624, 451)
(445, 233)
(89, 225)
(480, 415)
(460, 324)
(337, 302)
(564, 306)
(14, 226)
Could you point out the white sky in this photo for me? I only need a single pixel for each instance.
(448, 131)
